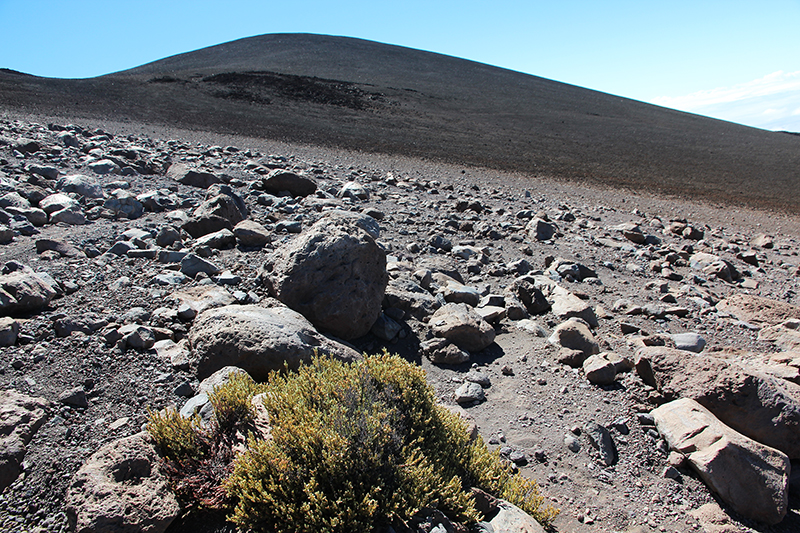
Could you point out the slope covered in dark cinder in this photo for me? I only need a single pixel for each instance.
(363, 95)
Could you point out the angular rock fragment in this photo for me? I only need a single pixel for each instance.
(22, 290)
(462, 325)
(576, 336)
(750, 477)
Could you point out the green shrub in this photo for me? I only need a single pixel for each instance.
(231, 401)
(353, 447)
(175, 436)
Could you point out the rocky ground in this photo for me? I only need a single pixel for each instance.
(526, 254)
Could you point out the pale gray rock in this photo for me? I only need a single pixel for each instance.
(512, 519)
(385, 328)
(219, 378)
(258, 340)
(599, 370)
(137, 336)
(6, 234)
(20, 417)
(84, 185)
(532, 327)
(455, 292)
(123, 203)
(602, 442)
(691, 342)
(191, 265)
(541, 230)
(411, 298)
(177, 354)
(462, 325)
(480, 378)
(167, 236)
(758, 310)
(354, 190)
(86, 323)
(68, 216)
(785, 335)
(75, 397)
(9, 330)
(202, 298)
(220, 240)
(223, 209)
(104, 166)
(122, 488)
(469, 392)
(567, 305)
(334, 274)
(69, 139)
(491, 314)
(750, 477)
(58, 202)
(526, 291)
(14, 199)
(34, 215)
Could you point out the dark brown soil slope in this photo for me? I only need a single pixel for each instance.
(356, 94)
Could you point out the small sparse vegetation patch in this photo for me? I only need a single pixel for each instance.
(352, 448)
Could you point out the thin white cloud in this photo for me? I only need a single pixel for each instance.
(770, 102)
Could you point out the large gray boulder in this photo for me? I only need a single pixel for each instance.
(750, 477)
(22, 290)
(334, 274)
(258, 340)
(121, 488)
(463, 326)
(762, 407)
(567, 305)
(20, 417)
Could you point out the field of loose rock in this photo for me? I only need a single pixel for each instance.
(638, 356)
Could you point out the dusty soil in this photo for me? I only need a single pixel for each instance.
(529, 411)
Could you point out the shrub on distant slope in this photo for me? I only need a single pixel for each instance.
(354, 447)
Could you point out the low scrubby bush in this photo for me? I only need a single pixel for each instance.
(353, 447)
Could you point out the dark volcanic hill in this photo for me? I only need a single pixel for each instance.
(363, 95)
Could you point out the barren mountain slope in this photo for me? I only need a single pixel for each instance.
(362, 95)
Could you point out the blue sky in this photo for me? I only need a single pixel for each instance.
(736, 60)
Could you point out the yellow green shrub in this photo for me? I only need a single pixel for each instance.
(353, 447)
(175, 436)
